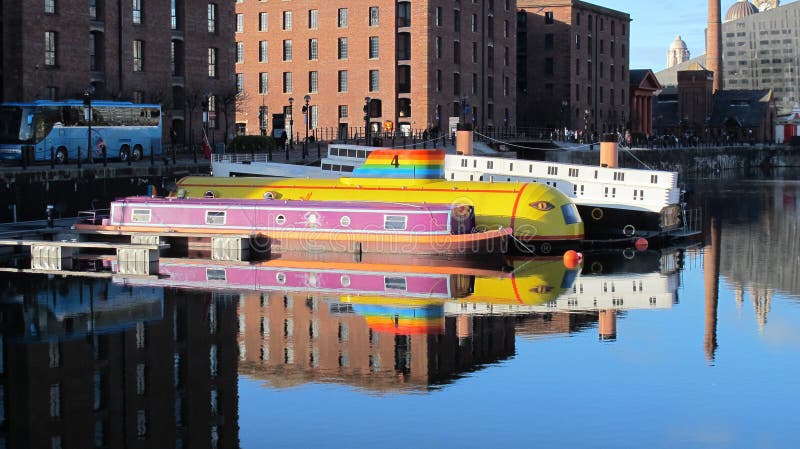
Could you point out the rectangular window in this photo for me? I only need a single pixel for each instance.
(374, 80)
(50, 6)
(473, 23)
(374, 16)
(239, 83)
(313, 19)
(287, 50)
(141, 423)
(474, 52)
(456, 20)
(342, 48)
(212, 17)
(263, 51)
(173, 14)
(215, 274)
(313, 81)
(314, 116)
(313, 50)
(214, 217)
(548, 18)
(263, 21)
(342, 18)
(141, 384)
(50, 42)
(395, 222)
(474, 84)
(55, 400)
(456, 84)
(343, 111)
(212, 62)
(287, 20)
(342, 81)
(437, 47)
(140, 215)
(239, 52)
(138, 56)
(548, 41)
(287, 82)
(457, 52)
(137, 11)
(394, 283)
(437, 18)
(374, 46)
(438, 80)
(239, 23)
(263, 83)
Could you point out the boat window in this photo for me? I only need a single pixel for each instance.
(619, 176)
(351, 153)
(552, 170)
(140, 216)
(613, 192)
(595, 174)
(470, 178)
(481, 178)
(489, 164)
(345, 279)
(326, 167)
(511, 166)
(281, 278)
(280, 219)
(530, 168)
(394, 283)
(394, 222)
(361, 154)
(336, 167)
(606, 192)
(452, 176)
(269, 196)
(653, 179)
(215, 274)
(215, 217)
(344, 221)
(334, 152)
(575, 189)
(463, 162)
(570, 213)
(581, 189)
(347, 168)
(208, 194)
(573, 172)
(641, 194)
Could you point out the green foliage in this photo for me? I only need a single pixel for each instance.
(251, 144)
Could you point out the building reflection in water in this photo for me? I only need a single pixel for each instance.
(87, 363)
(392, 343)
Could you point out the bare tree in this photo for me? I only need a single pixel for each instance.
(194, 99)
(232, 102)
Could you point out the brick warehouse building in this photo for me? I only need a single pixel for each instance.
(169, 52)
(420, 62)
(573, 65)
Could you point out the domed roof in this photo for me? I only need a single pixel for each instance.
(742, 8)
(678, 44)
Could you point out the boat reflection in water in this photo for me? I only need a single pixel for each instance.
(88, 363)
(387, 327)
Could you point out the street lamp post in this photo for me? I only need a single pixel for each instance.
(307, 116)
(87, 102)
(366, 120)
(586, 114)
(291, 123)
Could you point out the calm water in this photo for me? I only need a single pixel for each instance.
(694, 347)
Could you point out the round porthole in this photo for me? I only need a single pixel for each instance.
(345, 280)
(281, 278)
(344, 221)
(280, 219)
(208, 194)
(269, 196)
(313, 218)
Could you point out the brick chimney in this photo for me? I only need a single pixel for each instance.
(714, 42)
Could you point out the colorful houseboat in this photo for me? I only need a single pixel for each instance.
(417, 228)
(538, 214)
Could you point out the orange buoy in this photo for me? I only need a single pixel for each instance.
(572, 259)
(641, 244)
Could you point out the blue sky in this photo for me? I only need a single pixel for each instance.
(655, 24)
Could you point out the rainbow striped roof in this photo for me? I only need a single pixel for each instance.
(400, 163)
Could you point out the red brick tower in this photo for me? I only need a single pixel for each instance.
(714, 42)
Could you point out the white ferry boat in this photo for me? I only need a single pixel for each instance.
(613, 202)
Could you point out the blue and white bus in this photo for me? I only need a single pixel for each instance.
(127, 130)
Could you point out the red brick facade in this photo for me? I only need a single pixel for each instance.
(430, 89)
(576, 66)
(109, 67)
